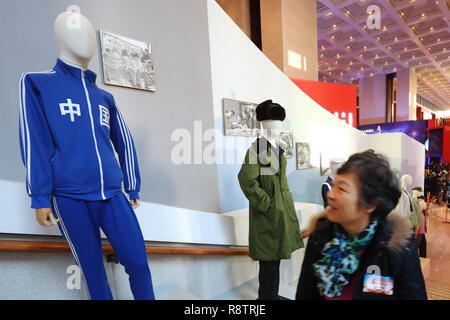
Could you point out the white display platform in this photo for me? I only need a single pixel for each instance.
(158, 222)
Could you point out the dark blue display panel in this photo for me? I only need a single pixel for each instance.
(435, 146)
(416, 129)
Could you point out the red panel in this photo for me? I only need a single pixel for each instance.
(446, 144)
(333, 97)
(445, 139)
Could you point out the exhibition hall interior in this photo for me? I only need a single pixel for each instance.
(225, 150)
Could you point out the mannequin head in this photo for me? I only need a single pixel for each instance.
(272, 129)
(416, 193)
(406, 180)
(271, 115)
(76, 39)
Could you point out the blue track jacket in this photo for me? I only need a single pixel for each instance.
(66, 128)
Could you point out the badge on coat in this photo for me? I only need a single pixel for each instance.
(375, 283)
(104, 116)
(73, 109)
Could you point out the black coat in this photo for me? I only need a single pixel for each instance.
(392, 249)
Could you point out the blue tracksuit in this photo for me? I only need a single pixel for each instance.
(67, 124)
(68, 127)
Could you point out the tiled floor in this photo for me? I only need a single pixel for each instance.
(438, 246)
(438, 251)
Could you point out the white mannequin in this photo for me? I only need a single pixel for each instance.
(403, 206)
(76, 39)
(406, 181)
(271, 130)
(77, 44)
(422, 203)
(416, 193)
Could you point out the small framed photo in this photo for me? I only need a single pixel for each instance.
(303, 156)
(127, 62)
(286, 142)
(240, 118)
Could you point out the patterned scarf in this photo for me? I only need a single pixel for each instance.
(340, 258)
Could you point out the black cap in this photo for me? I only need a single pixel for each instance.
(268, 110)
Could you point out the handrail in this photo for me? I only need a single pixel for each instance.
(56, 246)
(49, 246)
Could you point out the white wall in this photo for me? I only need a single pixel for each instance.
(241, 71)
(178, 32)
(406, 155)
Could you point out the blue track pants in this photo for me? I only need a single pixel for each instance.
(80, 224)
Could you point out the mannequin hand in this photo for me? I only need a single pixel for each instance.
(134, 203)
(45, 217)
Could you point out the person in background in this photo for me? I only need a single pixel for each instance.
(355, 250)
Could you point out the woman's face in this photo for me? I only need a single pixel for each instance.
(343, 200)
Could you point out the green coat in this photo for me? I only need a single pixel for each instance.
(274, 231)
(416, 214)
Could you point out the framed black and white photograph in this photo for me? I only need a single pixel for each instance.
(286, 142)
(303, 156)
(240, 118)
(127, 62)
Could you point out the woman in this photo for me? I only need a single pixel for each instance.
(355, 250)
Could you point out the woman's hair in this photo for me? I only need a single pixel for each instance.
(378, 185)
